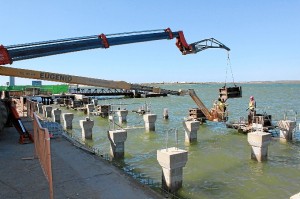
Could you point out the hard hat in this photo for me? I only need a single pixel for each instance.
(251, 97)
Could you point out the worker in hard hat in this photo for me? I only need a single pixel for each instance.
(251, 108)
(222, 108)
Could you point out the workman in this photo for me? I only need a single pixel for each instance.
(221, 105)
(252, 111)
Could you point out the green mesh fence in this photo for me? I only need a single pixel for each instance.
(54, 89)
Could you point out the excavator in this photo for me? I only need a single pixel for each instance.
(10, 54)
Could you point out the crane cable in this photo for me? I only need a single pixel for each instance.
(229, 64)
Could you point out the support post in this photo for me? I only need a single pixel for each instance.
(172, 160)
(149, 120)
(47, 110)
(287, 128)
(68, 118)
(87, 128)
(122, 114)
(56, 113)
(40, 108)
(117, 139)
(191, 128)
(259, 142)
(166, 114)
(90, 108)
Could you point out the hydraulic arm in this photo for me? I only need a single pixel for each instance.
(12, 53)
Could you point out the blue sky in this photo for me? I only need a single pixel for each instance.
(263, 37)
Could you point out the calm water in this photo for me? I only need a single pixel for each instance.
(219, 164)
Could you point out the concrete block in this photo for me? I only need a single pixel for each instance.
(56, 113)
(47, 110)
(117, 142)
(40, 108)
(259, 138)
(259, 142)
(68, 119)
(287, 128)
(191, 128)
(87, 128)
(122, 114)
(149, 120)
(171, 158)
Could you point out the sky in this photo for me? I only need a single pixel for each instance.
(263, 37)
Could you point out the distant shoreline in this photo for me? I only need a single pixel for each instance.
(245, 82)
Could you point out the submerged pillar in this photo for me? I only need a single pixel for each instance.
(117, 139)
(47, 110)
(90, 108)
(56, 113)
(40, 108)
(87, 128)
(166, 114)
(122, 114)
(172, 160)
(287, 128)
(149, 120)
(259, 142)
(68, 118)
(191, 128)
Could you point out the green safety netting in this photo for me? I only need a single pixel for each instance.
(54, 89)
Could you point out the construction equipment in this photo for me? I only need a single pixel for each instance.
(12, 53)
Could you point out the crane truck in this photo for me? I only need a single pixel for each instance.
(10, 54)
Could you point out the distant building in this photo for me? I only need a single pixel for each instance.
(36, 83)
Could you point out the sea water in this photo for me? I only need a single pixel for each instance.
(219, 164)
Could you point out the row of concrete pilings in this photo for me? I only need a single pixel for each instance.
(172, 160)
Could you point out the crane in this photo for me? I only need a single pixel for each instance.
(10, 54)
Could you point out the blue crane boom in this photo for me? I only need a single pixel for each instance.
(13, 53)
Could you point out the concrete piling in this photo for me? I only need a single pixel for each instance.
(68, 118)
(47, 110)
(296, 196)
(90, 108)
(95, 102)
(87, 128)
(56, 113)
(149, 120)
(191, 128)
(259, 142)
(172, 160)
(166, 114)
(287, 128)
(117, 141)
(122, 114)
(40, 108)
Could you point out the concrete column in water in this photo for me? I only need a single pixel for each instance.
(117, 140)
(90, 108)
(287, 128)
(87, 128)
(68, 118)
(172, 160)
(296, 196)
(95, 102)
(47, 110)
(191, 128)
(56, 113)
(122, 114)
(40, 108)
(259, 142)
(150, 121)
(166, 114)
